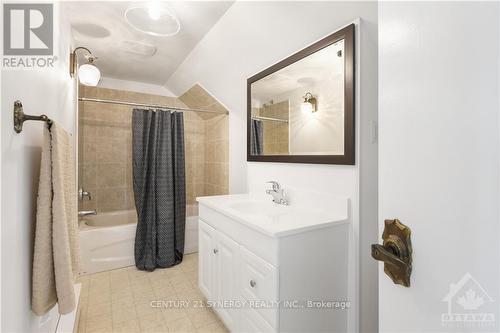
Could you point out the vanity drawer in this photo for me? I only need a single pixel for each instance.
(259, 282)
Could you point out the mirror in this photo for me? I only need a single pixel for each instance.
(302, 108)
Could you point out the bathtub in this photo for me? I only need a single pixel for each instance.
(107, 239)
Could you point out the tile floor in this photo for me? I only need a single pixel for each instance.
(121, 301)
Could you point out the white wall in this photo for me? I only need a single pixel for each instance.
(51, 92)
(252, 36)
(146, 88)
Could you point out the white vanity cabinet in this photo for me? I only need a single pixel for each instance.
(263, 280)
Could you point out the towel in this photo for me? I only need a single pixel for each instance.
(56, 252)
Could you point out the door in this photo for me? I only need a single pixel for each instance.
(227, 278)
(206, 260)
(438, 162)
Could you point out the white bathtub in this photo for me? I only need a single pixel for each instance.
(107, 239)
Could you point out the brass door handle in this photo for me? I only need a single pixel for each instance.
(396, 252)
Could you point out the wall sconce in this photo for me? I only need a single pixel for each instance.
(88, 73)
(310, 104)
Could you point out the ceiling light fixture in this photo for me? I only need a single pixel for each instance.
(310, 103)
(88, 73)
(153, 18)
(154, 10)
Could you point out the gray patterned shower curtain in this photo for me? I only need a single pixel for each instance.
(159, 187)
(256, 139)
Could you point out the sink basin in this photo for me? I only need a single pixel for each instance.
(254, 207)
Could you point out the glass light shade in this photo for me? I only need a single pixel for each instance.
(89, 75)
(306, 107)
(153, 19)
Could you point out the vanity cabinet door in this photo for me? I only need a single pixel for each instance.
(252, 322)
(207, 260)
(259, 282)
(227, 278)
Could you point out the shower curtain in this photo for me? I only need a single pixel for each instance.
(159, 187)
(256, 138)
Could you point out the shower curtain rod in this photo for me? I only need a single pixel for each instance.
(270, 119)
(109, 101)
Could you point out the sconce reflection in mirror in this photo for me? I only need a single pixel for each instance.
(310, 103)
(88, 73)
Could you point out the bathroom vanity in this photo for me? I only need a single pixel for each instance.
(267, 267)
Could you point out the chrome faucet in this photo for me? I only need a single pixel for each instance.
(277, 193)
(83, 213)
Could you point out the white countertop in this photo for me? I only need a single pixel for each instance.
(275, 220)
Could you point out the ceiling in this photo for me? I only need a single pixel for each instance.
(303, 73)
(101, 27)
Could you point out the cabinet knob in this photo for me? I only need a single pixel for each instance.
(215, 251)
(253, 283)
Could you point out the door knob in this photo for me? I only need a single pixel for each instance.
(253, 283)
(215, 251)
(395, 252)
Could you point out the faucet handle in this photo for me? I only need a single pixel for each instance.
(276, 185)
(82, 194)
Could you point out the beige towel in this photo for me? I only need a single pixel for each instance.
(56, 253)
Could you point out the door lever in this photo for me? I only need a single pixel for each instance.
(396, 252)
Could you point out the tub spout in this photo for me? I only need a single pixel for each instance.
(83, 213)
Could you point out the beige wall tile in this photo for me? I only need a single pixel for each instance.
(106, 146)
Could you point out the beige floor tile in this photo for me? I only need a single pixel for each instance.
(129, 326)
(160, 282)
(172, 314)
(189, 265)
(139, 280)
(98, 310)
(193, 280)
(184, 286)
(121, 314)
(152, 321)
(99, 298)
(98, 286)
(160, 328)
(123, 301)
(144, 296)
(182, 325)
(178, 277)
(119, 277)
(146, 309)
(165, 293)
(117, 286)
(134, 273)
(122, 293)
(202, 317)
(216, 327)
(101, 323)
(190, 296)
(172, 273)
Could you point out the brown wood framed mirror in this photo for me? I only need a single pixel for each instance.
(301, 110)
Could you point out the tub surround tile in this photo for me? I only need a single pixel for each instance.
(107, 153)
